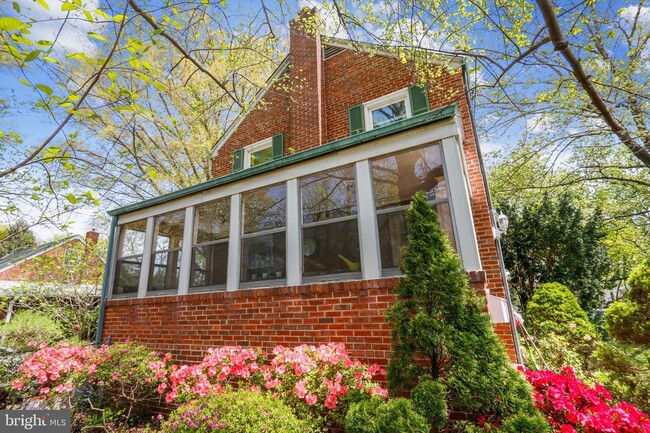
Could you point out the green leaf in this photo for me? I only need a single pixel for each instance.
(33, 55)
(69, 7)
(142, 77)
(9, 24)
(54, 150)
(44, 43)
(123, 108)
(119, 18)
(16, 7)
(96, 36)
(89, 16)
(25, 82)
(159, 85)
(43, 4)
(71, 198)
(45, 89)
(50, 59)
(113, 76)
(152, 174)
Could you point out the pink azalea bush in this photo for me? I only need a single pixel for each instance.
(572, 406)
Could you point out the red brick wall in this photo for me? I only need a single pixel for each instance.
(349, 312)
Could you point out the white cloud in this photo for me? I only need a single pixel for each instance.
(70, 34)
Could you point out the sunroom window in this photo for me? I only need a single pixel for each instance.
(396, 178)
(263, 246)
(166, 254)
(128, 263)
(330, 234)
(210, 245)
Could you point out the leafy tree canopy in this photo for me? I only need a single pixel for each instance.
(16, 237)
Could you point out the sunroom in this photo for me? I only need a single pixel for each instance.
(334, 212)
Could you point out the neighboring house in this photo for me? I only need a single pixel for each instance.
(297, 237)
(25, 266)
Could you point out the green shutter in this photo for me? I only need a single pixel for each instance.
(237, 160)
(419, 100)
(278, 146)
(355, 119)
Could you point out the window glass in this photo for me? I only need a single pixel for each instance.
(398, 177)
(265, 209)
(388, 114)
(261, 156)
(328, 195)
(212, 221)
(129, 257)
(393, 233)
(132, 238)
(330, 234)
(166, 259)
(210, 256)
(209, 265)
(264, 255)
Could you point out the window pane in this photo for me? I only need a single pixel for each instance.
(328, 195)
(127, 275)
(331, 248)
(265, 209)
(132, 238)
(261, 156)
(168, 232)
(165, 268)
(213, 221)
(263, 257)
(398, 177)
(389, 114)
(393, 233)
(209, 265)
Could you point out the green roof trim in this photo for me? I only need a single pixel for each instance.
(344, 143)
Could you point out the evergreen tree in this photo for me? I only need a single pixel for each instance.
(555, 241)
(16, 237)
(441, 331)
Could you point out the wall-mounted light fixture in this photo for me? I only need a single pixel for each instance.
(502, 223)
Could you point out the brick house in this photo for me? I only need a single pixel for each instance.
(297, 236)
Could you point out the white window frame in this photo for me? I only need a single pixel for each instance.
(391, 98)
(249, 150)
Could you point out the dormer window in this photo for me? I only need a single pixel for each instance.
(388, 109)
(258, 153)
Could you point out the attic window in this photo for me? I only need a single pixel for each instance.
(258, 153)
(388, 109)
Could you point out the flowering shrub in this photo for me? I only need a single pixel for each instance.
(571, 406)
(320, 381)
(221, 366)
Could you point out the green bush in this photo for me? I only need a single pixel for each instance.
(429, 399)
(628, 321)
(377, 415)
(522, 423)
(440, 328)
(235, 412)
(29, 326)
(563, 330)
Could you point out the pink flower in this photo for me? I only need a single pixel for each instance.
(330, 401)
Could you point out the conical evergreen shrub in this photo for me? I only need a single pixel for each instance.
(441, 331)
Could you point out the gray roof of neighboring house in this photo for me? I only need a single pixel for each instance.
(13, 259)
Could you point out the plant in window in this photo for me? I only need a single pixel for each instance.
(441, 331)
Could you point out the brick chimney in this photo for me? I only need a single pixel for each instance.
(307, 114)
(92, 237)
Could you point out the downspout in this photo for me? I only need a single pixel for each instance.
(506, 287)
(107, 279)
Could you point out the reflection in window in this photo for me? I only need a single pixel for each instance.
(264, 239)
(166, 256)
(396, 179)
(210, 251)
(329, 219)
(388, 114)
(261, 156)
(129, 257)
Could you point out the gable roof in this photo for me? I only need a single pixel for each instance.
(331, 47)
(15, 258)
